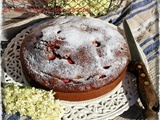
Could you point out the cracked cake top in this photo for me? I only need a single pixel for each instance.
(74, 54)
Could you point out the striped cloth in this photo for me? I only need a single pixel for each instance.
(143, 19)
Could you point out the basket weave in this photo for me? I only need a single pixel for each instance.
(94, 8)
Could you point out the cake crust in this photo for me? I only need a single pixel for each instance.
(74, 54)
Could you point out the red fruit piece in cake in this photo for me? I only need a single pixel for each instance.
(96, 43)
(57, 43)
(51, 56)
(70, 61)
(66, 80)
(102, 76)
(51, 46)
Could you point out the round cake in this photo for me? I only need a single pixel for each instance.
(79, 58)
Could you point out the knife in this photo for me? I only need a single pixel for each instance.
(145, 87)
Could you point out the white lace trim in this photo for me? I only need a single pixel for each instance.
(105, 107)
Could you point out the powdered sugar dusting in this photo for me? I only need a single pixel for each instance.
(94, 47)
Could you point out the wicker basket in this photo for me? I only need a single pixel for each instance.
(94, 8)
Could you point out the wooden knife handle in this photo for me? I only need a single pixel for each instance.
(145, 88)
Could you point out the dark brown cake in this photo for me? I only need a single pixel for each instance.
(74, 55)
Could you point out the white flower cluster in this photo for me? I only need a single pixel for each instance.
(35, 103)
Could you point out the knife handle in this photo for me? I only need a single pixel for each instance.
(145, 88)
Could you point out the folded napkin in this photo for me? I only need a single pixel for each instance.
(143, 19)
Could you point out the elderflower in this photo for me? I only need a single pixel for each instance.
(36, 103)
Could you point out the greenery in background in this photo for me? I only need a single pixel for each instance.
(71, 7)
(84, 7)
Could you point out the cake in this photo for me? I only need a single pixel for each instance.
(79, 58)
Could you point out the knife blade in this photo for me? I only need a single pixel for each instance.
(145, 87)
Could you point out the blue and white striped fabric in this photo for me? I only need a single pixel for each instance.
(143, 18)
